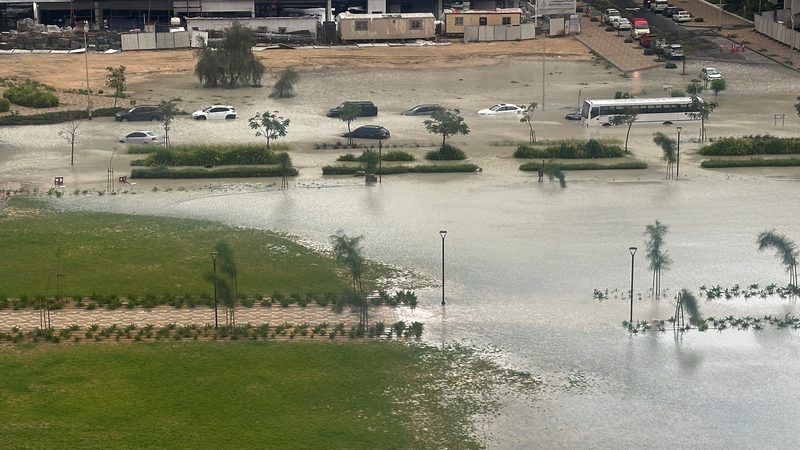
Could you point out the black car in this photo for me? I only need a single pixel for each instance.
(141, 112)
(368, 132)
(365, 109)
(576, 115)
(670, 10)
(421, 110)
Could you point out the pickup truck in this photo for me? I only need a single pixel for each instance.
(611, 15)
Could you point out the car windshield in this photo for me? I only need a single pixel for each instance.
(712, 71)
(640, 25)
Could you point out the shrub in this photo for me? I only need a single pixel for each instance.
(57, 116)
(752, 162)
(229, 172)
(628, 41)
(396, 170)
(677, 93)
(30, 94)
(446, 153)
(752, 145)
(649, 51)
(590, 149)
(670, 65)
(5, 105)
(698, 19)
(206, 155)
(535, 165)
(398, 155)
(394, 155)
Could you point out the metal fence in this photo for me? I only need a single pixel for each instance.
(768, 24)
(485, 33)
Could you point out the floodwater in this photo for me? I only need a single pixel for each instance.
(522, 259)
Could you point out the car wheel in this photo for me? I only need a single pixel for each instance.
(230, 117)
(667, 123)
(201, 117)
(124, 120)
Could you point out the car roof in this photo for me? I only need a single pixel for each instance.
(425, 104)
(141, 131)
(221, 106)
(505, 104)
(370, 126)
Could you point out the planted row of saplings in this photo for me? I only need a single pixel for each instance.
(703, 324)
(173, 331)
(131, 301)
(570, 149)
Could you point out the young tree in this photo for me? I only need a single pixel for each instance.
(785, 249)
(116, 80)
(284, 165)
(168, 110)
(347, 250)
(527, 118)
(689, 301)
(69, 132)
(348, 114)
(446, 122)
(702, 110)
(718, 86)
(668, 147)
(284, 87)
(224, 279)
(694, 88)
(628, 118)
(659, 260)
(233, 63)
(270, 125)
(553, 172)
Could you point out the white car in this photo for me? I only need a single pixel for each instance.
(215, 112)
(141, 137)
(610, 16)
(682, 16)
(710, 74)
(623, 24)
(673, 51)
(502, 109)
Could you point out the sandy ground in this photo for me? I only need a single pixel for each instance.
(69, 71)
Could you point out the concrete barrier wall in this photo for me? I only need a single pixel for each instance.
(182, 39)
(485, 33)
(153, 41)
(165, 41)
(130, 42)
(147, 41)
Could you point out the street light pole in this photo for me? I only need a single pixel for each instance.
(214, 264)
(86, 60)
(678, 165)
(633, 252)
(443, 233)
(380, 161)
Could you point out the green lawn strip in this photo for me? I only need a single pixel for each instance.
(120, 254)
(244, 395)
(223, 172)
(535, 165)
(750, 162)
(751, 145)
(396, 170)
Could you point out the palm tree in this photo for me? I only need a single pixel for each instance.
(668, 146)
(347, 250)
(702, 110)
(785, 249)
(284, 164)
(228, 274)
(628, 118)
(659, 260)
(689, 302)
(553, 171)
(527, 118)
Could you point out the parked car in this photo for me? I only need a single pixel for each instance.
(141, 112)
(682, 16)
(421, 110)
(623, 24)
(658, 5)
(215, 112)
(640, 27)
(673, 51)
(710, 74)
(610, 16)
(502, 108)
(575, 115)
(141, 137)
(365, 109)
(669, 11)
(368, 132)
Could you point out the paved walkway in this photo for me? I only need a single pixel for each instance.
(625, 57)
(28, 319)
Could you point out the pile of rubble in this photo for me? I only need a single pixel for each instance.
(30, 36)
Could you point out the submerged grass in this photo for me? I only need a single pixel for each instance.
(535, 165)
(751, 162)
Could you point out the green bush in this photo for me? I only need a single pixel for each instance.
(206, 155)
(396, 170)
(535, 165)
(572, 149)
(446, 153)
(5, 105)
(398, 155)
(670, 65)
(649, 51)
(752, 162)
(752, 145)
(228, 172)
(394, 155)
(57, 116)
(30, 94)
(677, 93)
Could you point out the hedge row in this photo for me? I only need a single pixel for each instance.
(534, 166)
(365, 156)
(227, 172)
(752, 162)
(50, 118)
(446, 152)
(590, 149)
(206, 155)
(752, 145)
(32, 95)
(395, 170)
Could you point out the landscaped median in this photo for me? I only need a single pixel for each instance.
(49, 118)
(738, 149)
(395, 170)
(571, 150)
(201, 161)
(534, 166)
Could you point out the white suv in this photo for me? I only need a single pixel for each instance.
(215, 112)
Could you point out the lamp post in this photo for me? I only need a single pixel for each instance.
(633, 252)
(214, 265)
(86, 60)
(443, 233)
(380, 160)
(678, 165)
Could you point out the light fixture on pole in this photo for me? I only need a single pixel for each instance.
(633, 252)
(678, 165)
(443, 234)
(214, 264)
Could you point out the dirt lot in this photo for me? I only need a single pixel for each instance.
(69, 72)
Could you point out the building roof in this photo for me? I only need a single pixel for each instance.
(351, 16)
(484, 11)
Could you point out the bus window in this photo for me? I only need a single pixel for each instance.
(595, 112)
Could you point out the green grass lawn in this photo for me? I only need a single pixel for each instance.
(229, 395)
(120, 254)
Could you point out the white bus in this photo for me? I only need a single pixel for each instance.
(658, 110)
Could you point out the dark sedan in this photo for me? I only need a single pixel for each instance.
(142, 112)
(368, 132)
(421, 110)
